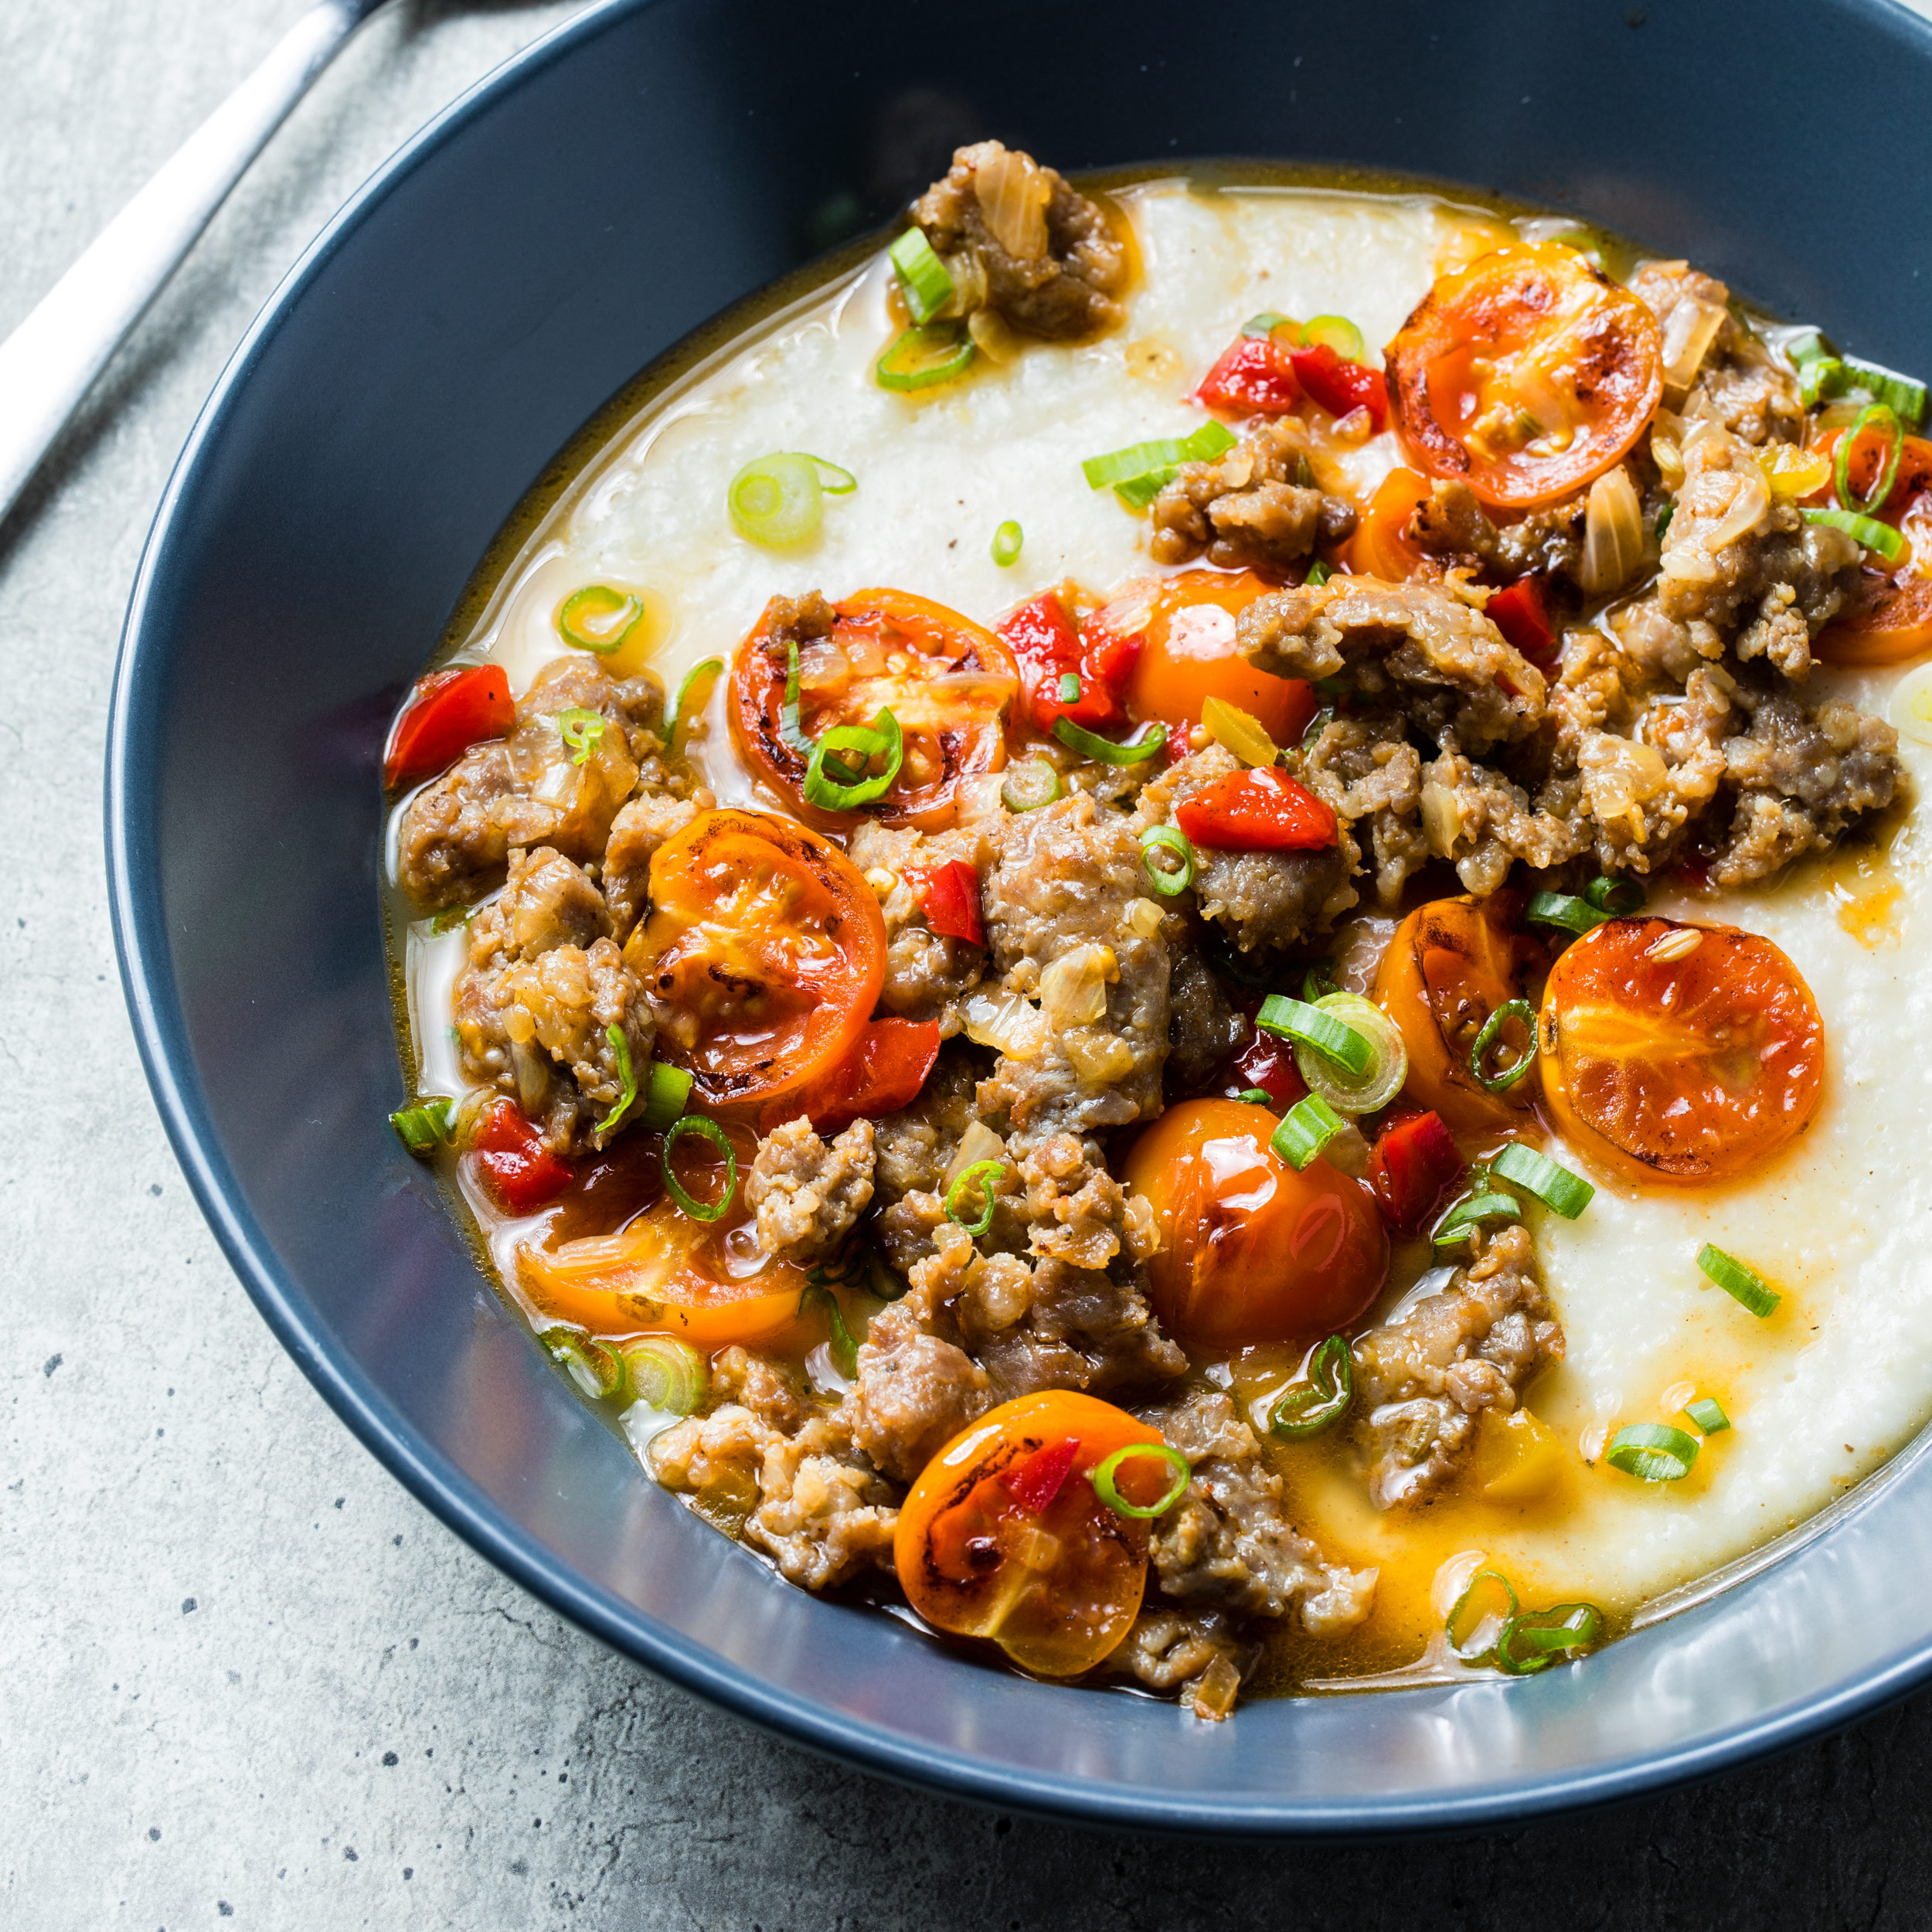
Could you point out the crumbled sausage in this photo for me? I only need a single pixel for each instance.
(1256, 506)
(808, 1194)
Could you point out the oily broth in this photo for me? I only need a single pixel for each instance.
(1819, 1395)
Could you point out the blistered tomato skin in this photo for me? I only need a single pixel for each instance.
(1251, 1250)
(1684, 1066)
(1004, 1538)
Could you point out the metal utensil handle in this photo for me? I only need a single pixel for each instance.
(49, 362)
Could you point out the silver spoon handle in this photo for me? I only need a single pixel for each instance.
(49, 362)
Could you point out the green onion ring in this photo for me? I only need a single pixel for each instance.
(881, 739)
(582, 731)
(1449, 1623)
(1168, 883)
(1389, 1057)
(1618, 897)
(1879, 415)
(424, 1127)
(1257, 1096)
(925, 356)
(1462, 1218)
(1306, 1409)
(1663, 519)
(1265, 323)
(1652, 1452)
(844, 1350)
(620, 610)
(923, 277)
(790, 730)
(678, 714)
(1306, 1128)
(594, 1366)
(667, 1090)
(1104, 750)
(1104, 1487)
(1316, 724)
(1308, 1024)
(1336, 332)
(1029, 785)
(1318, 574)
(1879, 538)
(664, 1373)
(1007, 540)
(1708, 1413)
(1318, 982)
(778, 500)
(712, 1131)
(1564, 1193)
(621, 1047)
(1069, 687)
(1745, 1286)
(1549, 1637)
(1134, 465)
(1574, 915)
(982, 1175)
(1492, 1027)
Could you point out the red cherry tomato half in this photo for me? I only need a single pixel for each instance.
(518, 1169)
(1339, 387)
(882, 1072)
(450, 711)
(1258, 810)
(1252, 378)
(1413, 1164)
(949, 894)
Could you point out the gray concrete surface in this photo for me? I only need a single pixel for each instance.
(242, 1674)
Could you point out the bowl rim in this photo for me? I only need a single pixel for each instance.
(151, 996)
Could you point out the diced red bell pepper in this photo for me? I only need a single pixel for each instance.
(450, 711)
(1259, 810)
(882, 1072)
(518, 1168)
(949, 894)
(1522, 613)
(1041, 637)
(1253, 378)
(1412, 1167)
(1268, 1062)
(1337, 386)
(1034, 1483)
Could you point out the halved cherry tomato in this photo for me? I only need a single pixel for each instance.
(762, 955)
(1413, 1164)
(949, 894)
(448, 711)
(1526, 374)
(882, 1073)
(665, 1273)
(948, 682)
(1339, 387)
(1184, 628)
(1003, 1537)
(1886, 619)
(1381, 545)
(1267, 1063)
(1914, 475)
(517, 1168)
(1049, 650)
(1686, 1069)
(1451, 963)
(1521, 612)
(1257, 810)
(1252, 1251)
(1254, 377)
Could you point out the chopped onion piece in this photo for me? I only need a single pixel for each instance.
(1013, 194)
(1073, 990)
(1012, 1025)
(1613, 533)
(1688, 332)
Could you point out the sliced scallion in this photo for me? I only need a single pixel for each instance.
(779, 500)
(598, 618)
(1389, 1057)
(1318, 982)
(581, 730)
(1506, 1077)
(1880, 417)
(1560, 1191)
(1139, 473)
(1104, 750)
(1574, 915)
(925, 356)
(424, 1127)
(1168, 877)
(1744, 1285)
(1069, 687)
(881, 739)
(1905, 394)
(1309, 1025)
(1537, 1639)
(1265, 323)
(620, 1050)
(1007, 540)
(1464, 1217)
(1652, 1452)
(1256, 1096)
(594, 1366)
(844, 1349)
(1307, 1407)
(1103, 1479)
(1880, 538)
(709, 1131)
(1306, 1128)
(1822, 373)
(1336, 332)
(983, 1175)
(1029, 785)
(664, 1373)
(1663, 519)
(667, 1092)
(1480, 1615)
(1708, 1413)
(1619, 897)
(450, 918)
(1318, 574)
(923, 277)
(693, 688)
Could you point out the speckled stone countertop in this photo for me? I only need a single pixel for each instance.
(242, 1674)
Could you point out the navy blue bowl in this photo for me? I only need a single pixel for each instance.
(601, 195)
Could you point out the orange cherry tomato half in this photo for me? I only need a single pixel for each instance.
(1451, 964)
(762, 955)
(1187, 655)
(1251, 1250)
(665, 1273)
(1526, 374)
(948, 682)
(1003, 1537)
(1886, 619)
(1381, 545)
(1687, 1068)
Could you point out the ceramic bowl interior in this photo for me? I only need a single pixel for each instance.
(625, 179)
